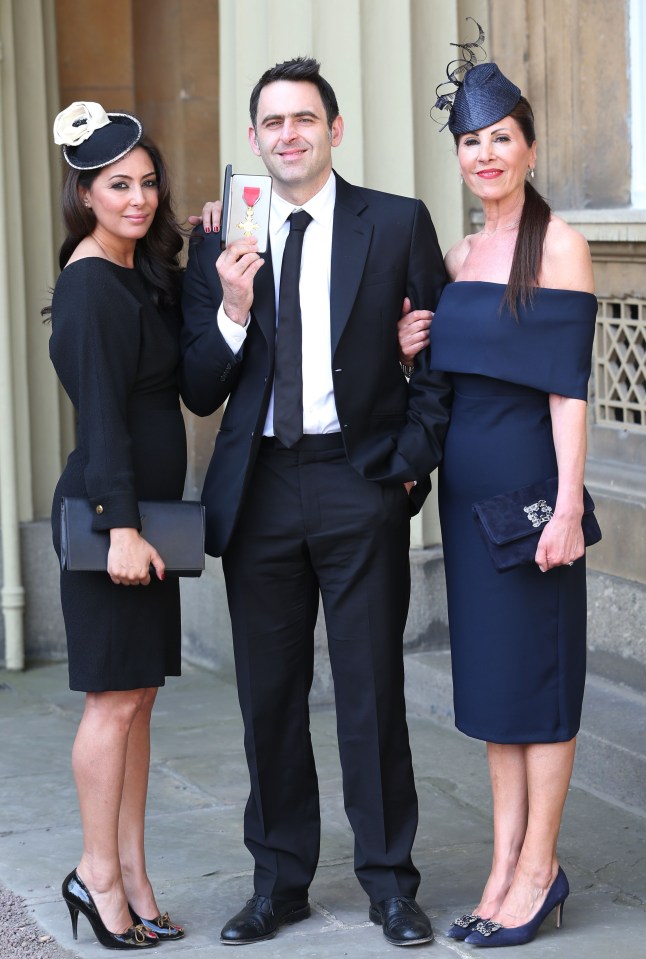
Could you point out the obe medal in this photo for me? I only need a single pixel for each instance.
(250, 195)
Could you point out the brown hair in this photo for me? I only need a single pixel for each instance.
(535, 218)
(156, 253)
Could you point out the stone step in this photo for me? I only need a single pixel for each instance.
(611, 748)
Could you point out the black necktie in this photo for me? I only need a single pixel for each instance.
(288, 376)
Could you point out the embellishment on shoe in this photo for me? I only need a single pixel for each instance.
(465, 921)
(487, 928)
(539, 512)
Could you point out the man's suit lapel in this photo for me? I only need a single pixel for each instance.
(351, 237)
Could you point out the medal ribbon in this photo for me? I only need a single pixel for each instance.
(251, 195)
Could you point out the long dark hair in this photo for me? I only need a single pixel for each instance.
(156, 253)
(535, 218)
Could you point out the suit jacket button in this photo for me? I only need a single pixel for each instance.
(99, 510)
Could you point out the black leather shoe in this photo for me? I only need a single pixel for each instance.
(261, 919)
(403, 921)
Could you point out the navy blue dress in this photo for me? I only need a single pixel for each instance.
(518, 639)
(116, 355)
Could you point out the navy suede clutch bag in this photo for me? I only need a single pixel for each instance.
(511, 524)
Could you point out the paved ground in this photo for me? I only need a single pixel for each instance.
(202, 872)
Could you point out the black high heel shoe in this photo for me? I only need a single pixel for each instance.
(78, 899)
(163, 926)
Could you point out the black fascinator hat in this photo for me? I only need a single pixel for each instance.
(482, 95)
(92, 138)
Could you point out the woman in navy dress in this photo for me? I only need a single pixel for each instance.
(115, 347)
(514, 330)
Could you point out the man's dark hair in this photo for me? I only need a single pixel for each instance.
(301, 68)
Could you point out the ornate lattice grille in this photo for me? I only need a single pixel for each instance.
(620, 360)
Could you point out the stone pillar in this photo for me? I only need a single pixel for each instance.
(26, 134)
(571, 61)
(32, 428)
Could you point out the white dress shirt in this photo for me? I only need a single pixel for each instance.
(319, 408)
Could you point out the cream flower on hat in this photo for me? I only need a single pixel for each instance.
(78, 122)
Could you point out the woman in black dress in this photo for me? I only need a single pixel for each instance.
(114, 344)
(514, 330)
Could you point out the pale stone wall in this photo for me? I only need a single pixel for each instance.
(570, 60)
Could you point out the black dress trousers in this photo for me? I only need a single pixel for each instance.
(311, 523)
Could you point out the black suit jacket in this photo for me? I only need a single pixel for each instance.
(384, 248)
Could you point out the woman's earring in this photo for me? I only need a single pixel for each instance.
(531, 172)
(461, 180)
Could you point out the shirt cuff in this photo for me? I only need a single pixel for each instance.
(234, 334)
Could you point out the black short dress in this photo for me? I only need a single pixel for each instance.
(116, 356)
(518, 639)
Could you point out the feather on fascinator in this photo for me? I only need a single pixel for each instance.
(482, 95)
(92, 138)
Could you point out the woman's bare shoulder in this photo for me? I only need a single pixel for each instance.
(567, 264)
(456, 256)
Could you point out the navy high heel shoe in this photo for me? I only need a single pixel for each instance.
(491, 934)
(78, 899)
(461, 927)
(163, 926)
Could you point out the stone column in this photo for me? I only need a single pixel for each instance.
(33, 424)
(26, 135)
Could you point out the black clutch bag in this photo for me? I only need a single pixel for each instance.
(511, 524)
(174, 527)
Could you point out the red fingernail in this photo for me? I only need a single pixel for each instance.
(217, 229)
(207, 229)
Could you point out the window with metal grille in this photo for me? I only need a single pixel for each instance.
(620, 364)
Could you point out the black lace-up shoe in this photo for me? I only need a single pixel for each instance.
(404, 923)
(261, 919)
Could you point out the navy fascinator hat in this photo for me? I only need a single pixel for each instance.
(92, 138)
(482, 95)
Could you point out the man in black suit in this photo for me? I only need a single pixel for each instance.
(321, 504)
